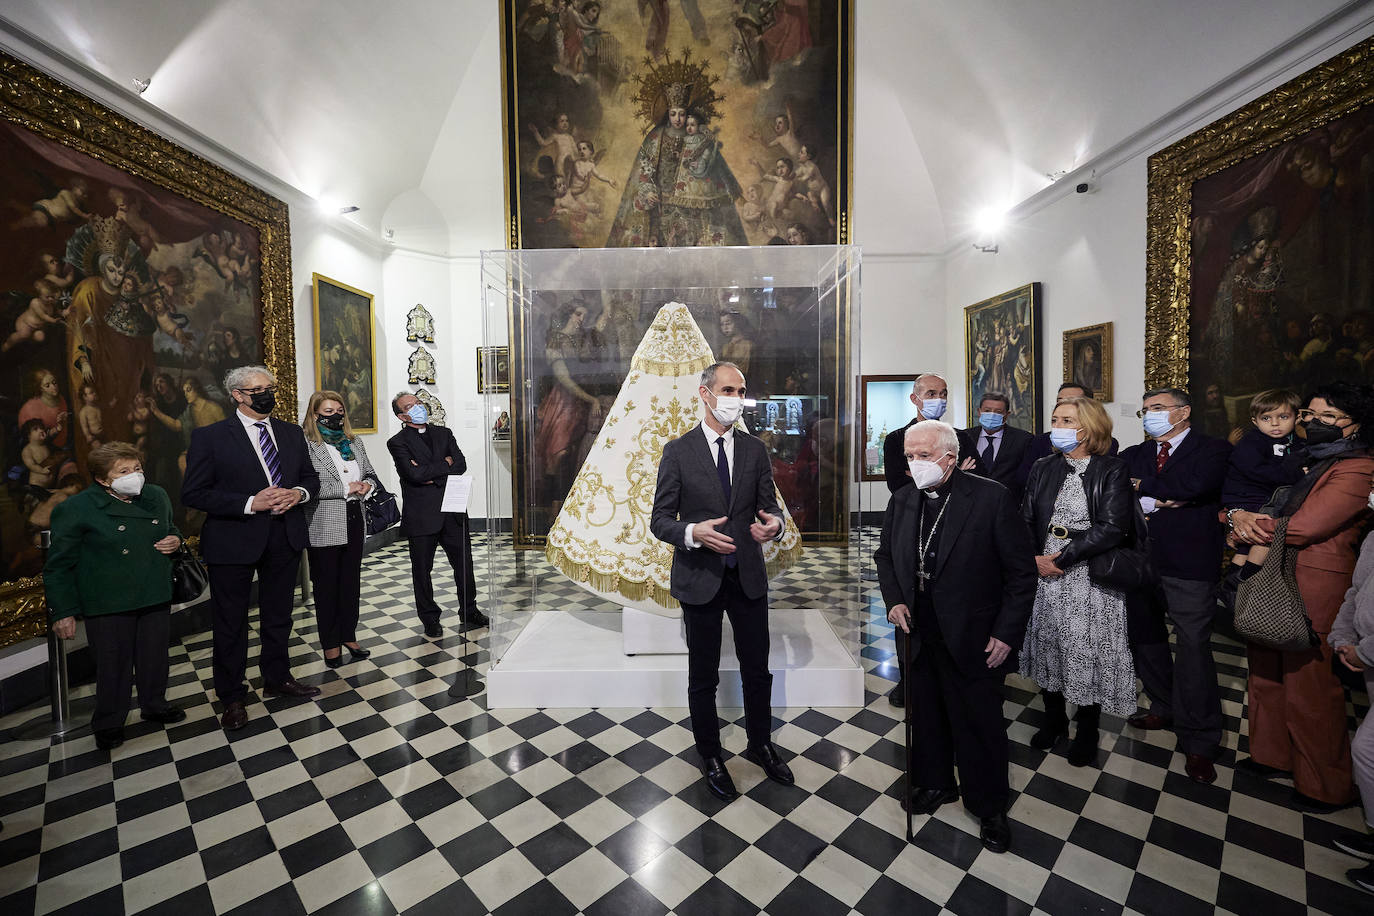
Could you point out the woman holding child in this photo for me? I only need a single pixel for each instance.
(1297, 705)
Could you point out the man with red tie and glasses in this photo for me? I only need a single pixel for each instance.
(250, 474)
(1178, 473)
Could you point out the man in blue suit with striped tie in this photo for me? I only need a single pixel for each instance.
(249, 474)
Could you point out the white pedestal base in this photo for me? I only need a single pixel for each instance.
(577, 659)
(652, 634)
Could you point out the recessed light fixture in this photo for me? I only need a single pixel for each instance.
(142, 84)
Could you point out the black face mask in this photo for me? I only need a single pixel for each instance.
(1319, 433)
(333, 421)
(263, 402)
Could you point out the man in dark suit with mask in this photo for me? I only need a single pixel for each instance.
(715, 504)
(997, 447)
(957, 571)
(249, 474)
(426, 457)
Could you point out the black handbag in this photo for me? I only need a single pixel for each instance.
(189, 579)
(380, 509)
(1128, 567)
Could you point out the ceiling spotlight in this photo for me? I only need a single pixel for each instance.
(344, 211)
(390, 234)
(986, 227)
(142, 85)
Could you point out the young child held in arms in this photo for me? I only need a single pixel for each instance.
(1266, 458)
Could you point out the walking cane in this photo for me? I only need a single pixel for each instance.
(903, 644)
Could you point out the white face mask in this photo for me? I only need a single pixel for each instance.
(925, 474)
(933, 408)
(727, 410)
(129, 485)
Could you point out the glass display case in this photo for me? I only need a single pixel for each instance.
(605, 348)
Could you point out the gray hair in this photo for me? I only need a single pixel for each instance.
(708, 375)
(995, 396)
(916, 385)
(235, 377)
(945, 436)
(396, 401)
(1178, 394)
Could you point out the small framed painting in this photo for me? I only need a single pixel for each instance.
(885, 405)
(1088, 359)
(346, 349)
(493, 370)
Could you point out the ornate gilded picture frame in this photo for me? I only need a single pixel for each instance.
(493, 370)
(1002, 354)
(1088, 359)
(735, 128)
(346, 348)
(136, 274)
(1259, 271)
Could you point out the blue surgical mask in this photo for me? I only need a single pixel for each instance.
(419, 414)
(1157, 423)
(1064, 439)
(933, 408)
(991, 421)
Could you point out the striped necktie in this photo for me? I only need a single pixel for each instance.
(269, 454)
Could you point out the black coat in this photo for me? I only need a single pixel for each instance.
(424, 473)
(1039, 447)
(689, 491)
(1010, 453)
(1107, 485)
(894, 456)
(223, 472)
(1187, 541)
(984, 579)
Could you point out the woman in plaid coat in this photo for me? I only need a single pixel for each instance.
(337, 530)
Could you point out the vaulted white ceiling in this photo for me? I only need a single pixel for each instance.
(395, 107)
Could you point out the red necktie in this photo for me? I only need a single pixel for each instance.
(1162, 457)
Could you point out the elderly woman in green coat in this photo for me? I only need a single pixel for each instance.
(110, 564)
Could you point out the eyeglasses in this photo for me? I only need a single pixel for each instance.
(1153, 407)
(1329, 417)
(264, 389)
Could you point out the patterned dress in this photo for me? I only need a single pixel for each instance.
(1076, 642)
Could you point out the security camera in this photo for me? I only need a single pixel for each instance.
(1083, 187)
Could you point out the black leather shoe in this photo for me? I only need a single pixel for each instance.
(718, 779)
(475, 620)
(107, 739)
(357, 654)
(335, 662)
(1049, 735)
(928, 801)
(1355, 843)
(1363, 878)
(995, 833)
(235, 716)
(767, 757)
(1262, 770)
(290, 689)
(164, 714)
(896, 697)
(1148, 721)
(433, 630)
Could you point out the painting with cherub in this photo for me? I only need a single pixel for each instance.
(669, 123)
(122, 306)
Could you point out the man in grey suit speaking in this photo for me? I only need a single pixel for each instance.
(716, 504)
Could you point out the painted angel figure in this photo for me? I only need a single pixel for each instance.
(419, 324)
(421, 367)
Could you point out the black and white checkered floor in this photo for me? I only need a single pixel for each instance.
(386, 796)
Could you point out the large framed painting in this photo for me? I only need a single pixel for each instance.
(134, 276)
(885, 404)
(1260, 261)
(674, 124)
(1002, 354)
(346, 349)
(1088, 359)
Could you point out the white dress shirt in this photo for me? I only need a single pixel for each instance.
(350, 471)
(982, 443)
(250, 427)
(1147, 503)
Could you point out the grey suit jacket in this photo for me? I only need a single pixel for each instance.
(326, 513)
(689, 491)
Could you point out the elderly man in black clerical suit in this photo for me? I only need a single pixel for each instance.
(957, 571)
(716, 505)
(249, 474)
(426, 456)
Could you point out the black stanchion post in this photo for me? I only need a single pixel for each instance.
(59, 722)
(467, 683)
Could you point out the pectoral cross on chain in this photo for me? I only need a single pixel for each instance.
(922, 576)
